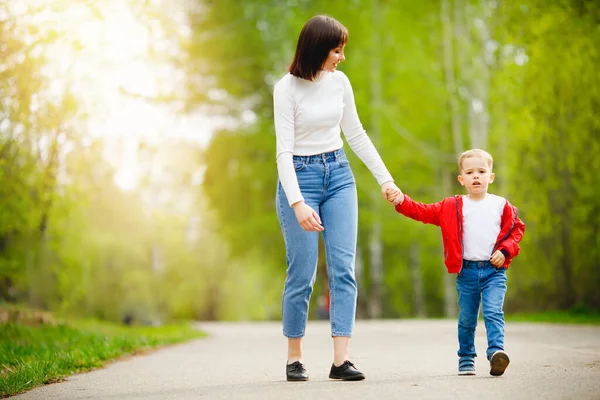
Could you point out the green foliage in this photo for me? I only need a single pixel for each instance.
(68, 234)
(519, 78)
(557, 317)
(32, 130)
(554, 140)
(529, 64)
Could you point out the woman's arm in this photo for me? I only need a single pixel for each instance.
(357, 137)
(283, 112)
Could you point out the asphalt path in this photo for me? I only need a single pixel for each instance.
(402, 359)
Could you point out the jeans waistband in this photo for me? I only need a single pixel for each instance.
(477, 264)
(330, 156)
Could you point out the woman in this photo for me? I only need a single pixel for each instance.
(316, 189)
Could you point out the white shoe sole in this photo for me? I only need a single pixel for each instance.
(466, 373)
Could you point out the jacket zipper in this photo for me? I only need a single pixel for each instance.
(507, 233)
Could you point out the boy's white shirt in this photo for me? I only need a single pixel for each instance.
(481, 225)
(308, 116)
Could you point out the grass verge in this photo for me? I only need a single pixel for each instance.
(557, 317)
(36, 351)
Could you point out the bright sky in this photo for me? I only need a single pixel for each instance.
(105, 53)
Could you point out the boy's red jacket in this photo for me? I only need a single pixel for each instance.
(448, 215)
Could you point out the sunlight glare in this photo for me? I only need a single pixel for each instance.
(103, 55)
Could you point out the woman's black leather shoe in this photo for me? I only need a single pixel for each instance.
(296, 372)
(346, 372)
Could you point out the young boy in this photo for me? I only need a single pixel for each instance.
(481, 234)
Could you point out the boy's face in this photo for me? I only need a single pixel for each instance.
(475, 176)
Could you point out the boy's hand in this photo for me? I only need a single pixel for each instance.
(497, 258)
(388, 187)
(395, 196)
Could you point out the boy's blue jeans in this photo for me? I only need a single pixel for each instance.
(479, 282)
(327, 185)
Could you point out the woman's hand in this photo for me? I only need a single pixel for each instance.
(307, 217)
(395, 197)
(391, 193)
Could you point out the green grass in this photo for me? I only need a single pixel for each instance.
(557, 317)
(33, 355)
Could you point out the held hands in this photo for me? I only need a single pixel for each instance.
(309, 220)
(307, 217)
(392, 194)
(497, 258)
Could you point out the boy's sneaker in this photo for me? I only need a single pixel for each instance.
(466, 366)
(498, 363)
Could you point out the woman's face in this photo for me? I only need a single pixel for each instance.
(334, 58)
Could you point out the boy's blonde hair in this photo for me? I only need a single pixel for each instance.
(476, 153)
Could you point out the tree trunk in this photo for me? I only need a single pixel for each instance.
(566, 265)
(565, 205)
(376, 256)
(375, 240)
(457, 139)
(450, 306)
(416, 277)
(481, 82)
(361, 308)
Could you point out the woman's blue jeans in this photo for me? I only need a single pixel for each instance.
(327, 184)
(479, 282)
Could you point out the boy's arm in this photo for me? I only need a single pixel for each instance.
(426, 213)
(510, 246)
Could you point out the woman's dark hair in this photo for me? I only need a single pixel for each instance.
(318, 36)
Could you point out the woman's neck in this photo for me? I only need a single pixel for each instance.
(319, 75)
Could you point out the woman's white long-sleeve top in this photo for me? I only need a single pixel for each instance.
(308, 116)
